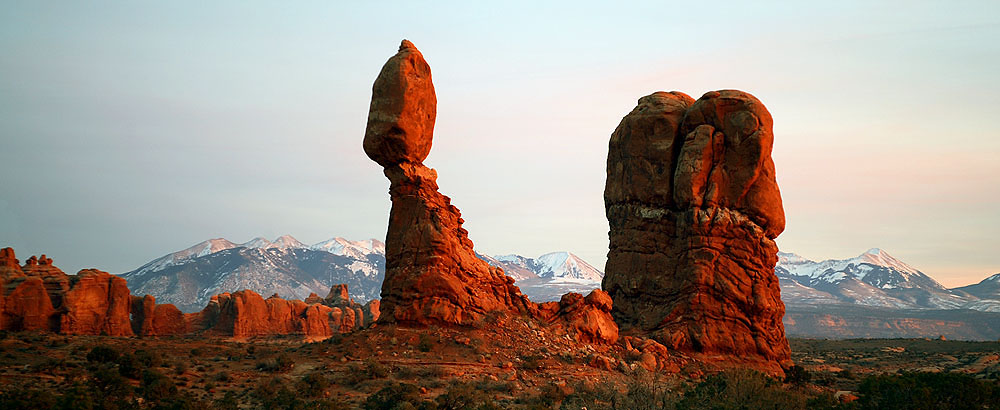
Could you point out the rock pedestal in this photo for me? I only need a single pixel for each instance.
(694, 208)
(432, 273)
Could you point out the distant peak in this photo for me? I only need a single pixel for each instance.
(874, 251)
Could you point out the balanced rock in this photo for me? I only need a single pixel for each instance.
(432, 273)
(694, 208)
(403, 110)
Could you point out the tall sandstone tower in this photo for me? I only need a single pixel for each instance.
(694, 208)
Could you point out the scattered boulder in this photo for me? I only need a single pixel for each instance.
(432, 273)
(694, 208)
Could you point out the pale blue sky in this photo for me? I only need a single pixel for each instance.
(130, 130)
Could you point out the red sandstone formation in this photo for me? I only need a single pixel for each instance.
(39, 297)
(432, 273)
(96, 303)
(694, 208)
(403, 109)
(589, 318)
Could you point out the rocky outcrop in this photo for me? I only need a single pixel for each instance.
(10, 267)
(694, 208)
(96, 303)
(587, 318)
(245, 314)
(39, 297)
(432, 273)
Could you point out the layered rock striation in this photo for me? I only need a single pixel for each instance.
(694, 208)
(40, 297)
(432, 273)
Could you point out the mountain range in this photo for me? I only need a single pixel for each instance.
(885, 295)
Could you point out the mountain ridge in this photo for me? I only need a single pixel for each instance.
(872, 280)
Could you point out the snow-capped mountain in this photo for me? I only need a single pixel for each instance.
(353, 249)
(293, 270)
(548, 277)
(873, 278)
(556, 265)
(989, 288)
(286, 266)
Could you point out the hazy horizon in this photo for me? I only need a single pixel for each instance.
(134, 130)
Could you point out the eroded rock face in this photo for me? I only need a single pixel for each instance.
(432, 273)
(97, 303)
(587, 318)
(693, 207)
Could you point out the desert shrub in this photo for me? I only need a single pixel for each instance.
(376, 370)
(49, 364)
(17, 399)
(281, 364)
(274, 394)
(107, 381)
(465, 396)
(927, 391)
(156, 387)
(531, 362)
(846, 374)
(396, 396)
(741, 389)
(227, 402)
(102, 354)
(180, 367)
(425, 343)
(129, 366)
(797, 375)
(222, 377)
(313, 384)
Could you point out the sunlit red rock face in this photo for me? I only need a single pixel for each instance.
(432, 273)
(587, 318)
(693, 208)
(39, 297)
